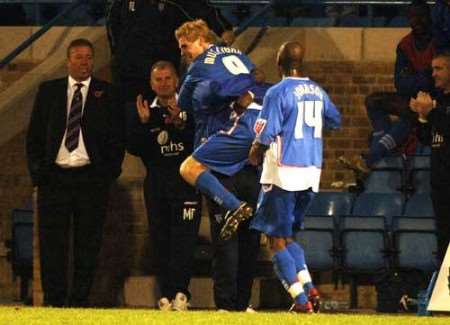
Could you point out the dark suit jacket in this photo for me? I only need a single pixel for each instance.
(100, 124)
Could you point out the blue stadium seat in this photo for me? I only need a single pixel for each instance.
(420, 173)
(398, 21)
(414, 235)
(319, 236)
(378, 204)
(22, 248)
(313, 22)
(415, 243)
(364, 237)
(352, 21)
(365, 234)
(386, 176)
(419, 205)
(331, 204)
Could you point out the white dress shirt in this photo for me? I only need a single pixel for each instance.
(79, 157)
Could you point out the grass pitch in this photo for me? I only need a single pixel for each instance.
(53, 316)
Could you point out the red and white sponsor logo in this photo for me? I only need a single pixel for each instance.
(260, 124)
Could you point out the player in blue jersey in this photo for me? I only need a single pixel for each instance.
(210, 66)
(289, 142)
(215, 77)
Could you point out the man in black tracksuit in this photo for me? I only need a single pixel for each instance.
(434, 129)
(162, 136)
(141, 32)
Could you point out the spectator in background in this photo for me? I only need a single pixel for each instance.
(440, 16)
(163, 138)
(141, 32)
(412, 74)
(74, 153)
(289, 143)
(434, 129)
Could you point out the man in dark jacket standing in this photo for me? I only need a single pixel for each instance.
(163, 136)
(74, 153)
(434, 129)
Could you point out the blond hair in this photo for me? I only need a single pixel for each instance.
(193, 30)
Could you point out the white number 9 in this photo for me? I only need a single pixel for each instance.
(234, 64)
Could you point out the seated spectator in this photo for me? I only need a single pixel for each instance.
(412, 74)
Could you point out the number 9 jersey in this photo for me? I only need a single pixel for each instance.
(206, 90)
(291, 121)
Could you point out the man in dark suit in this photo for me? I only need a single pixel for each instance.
(74, 152)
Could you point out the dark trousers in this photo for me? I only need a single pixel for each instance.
(72, 208)
(234, 260)
(441, 206)
(174, 214)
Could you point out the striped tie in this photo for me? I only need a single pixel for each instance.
(74, 121)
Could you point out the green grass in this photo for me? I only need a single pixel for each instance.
(51, 316)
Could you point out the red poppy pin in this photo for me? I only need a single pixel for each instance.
(98, 93)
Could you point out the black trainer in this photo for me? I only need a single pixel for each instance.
(234, 218)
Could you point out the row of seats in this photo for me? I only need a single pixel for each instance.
(370, 231)
(399, 174)
(369, 234)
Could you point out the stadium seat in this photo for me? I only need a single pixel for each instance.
(419, 175)
(378, 204)
(365, 239)
(419, 205)
(415, 243)
(319, 236)
(22, 248)
(352, 21)
(331, 204)
(313, 22)
(414, 235)
(386, 176)
(398, 21)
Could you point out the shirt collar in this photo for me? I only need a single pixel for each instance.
(155, 102)
(85, 83)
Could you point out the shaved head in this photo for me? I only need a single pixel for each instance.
(290, 58)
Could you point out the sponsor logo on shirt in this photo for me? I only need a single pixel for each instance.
(260, 124)
(169, 148)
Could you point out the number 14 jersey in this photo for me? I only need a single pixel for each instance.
(291, 121)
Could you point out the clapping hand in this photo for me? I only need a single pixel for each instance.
(143, 109)
(422, 104)
(173, 108)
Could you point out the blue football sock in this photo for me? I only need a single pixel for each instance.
(298, 255)
(209, 185)
(284, 266)
(396, 135)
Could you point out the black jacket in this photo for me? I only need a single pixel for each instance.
(141, 32)
(159, 143)
(100, 127)
(437, 134)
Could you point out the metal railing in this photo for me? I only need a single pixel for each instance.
(318, 2)
(266, 6)
(39, 33)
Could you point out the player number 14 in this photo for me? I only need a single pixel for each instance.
(309, 113)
